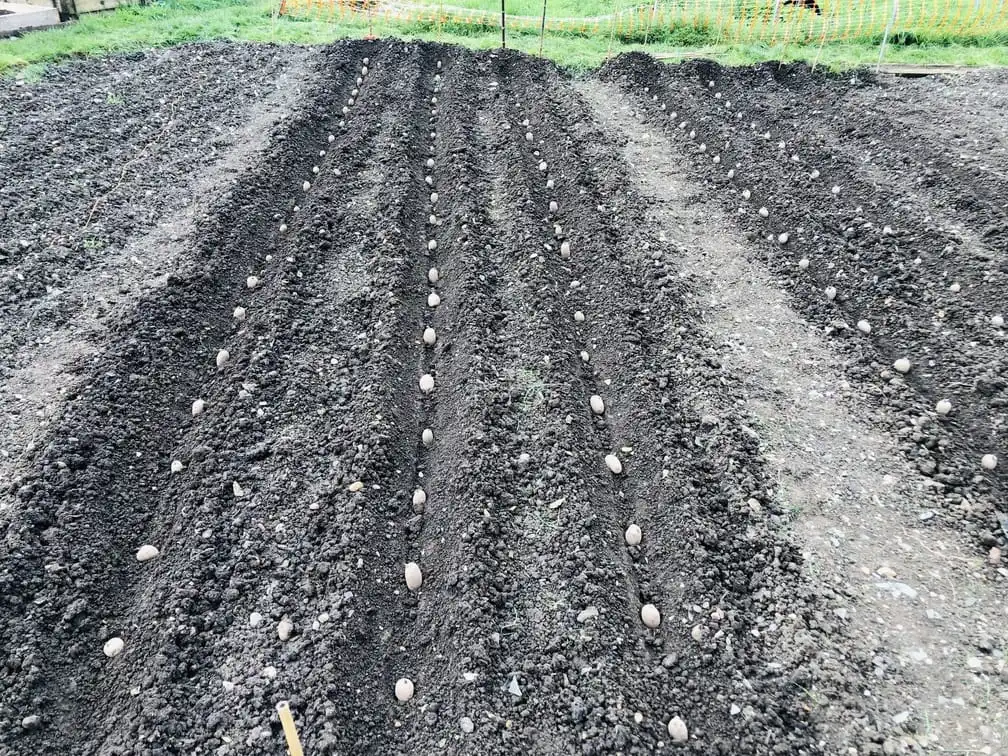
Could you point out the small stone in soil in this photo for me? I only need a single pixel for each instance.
(650, 616)
(113, 647)
(613, 463)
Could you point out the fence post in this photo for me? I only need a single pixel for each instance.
(654, 10)
(885, 37)
(542, 29)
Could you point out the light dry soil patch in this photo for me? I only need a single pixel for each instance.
(912, 599)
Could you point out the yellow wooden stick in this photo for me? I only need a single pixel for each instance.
(290, 732)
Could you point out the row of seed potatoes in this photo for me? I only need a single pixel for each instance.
(146, 552)
(404, 686)
(650, 615)
(832, 192)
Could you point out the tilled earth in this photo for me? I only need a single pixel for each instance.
(299, 317)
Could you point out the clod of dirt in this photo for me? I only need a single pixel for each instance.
(831, 293)
(433, 300)
(237, 490)
(633, 535)
(429, 336)
(255, 619)
(814, 174)
(356, 486)
(414, 578)
(427, 383)
(677, 730)
(746, 194)
(284, 629)
(836, 191)
(146, 552)
(597, 403)
(239, 313)
(553, 206)
(222, 357)
(543, 166)
(466, 725)
(198, 406)
(177, 466)
(315, 169)
(803, 263)
(427, 437)
(113, 647)
(431, 245)
(332, 138)
(430, 162)
(283, 228)
(864, 326)
(433, 276)
(306, 185)
(989, 461)
(764, 212)
(434, 198)
(252, 282)
(614, 464)
(783, 238)
(943, 407)
(565, 250)
(528, 136)
(579, 316)
(550, 183)
(404, 689)
(997, 321)
(902, 365)
(650, 616)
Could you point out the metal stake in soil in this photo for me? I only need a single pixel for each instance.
(542, 29)
(503, 25)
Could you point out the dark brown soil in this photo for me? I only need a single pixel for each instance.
(526, 636)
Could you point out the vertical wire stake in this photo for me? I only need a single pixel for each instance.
(612, 29)
(885, 37)
(503, 26)
(290, 732)
(542, 29)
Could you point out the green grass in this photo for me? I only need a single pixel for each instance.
(693, 30)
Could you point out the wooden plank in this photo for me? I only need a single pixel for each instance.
(90, 6)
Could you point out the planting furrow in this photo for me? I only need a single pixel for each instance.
(628, 341)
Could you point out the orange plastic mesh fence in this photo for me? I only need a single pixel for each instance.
(684, 21)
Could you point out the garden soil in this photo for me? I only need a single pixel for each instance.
(297, 317)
